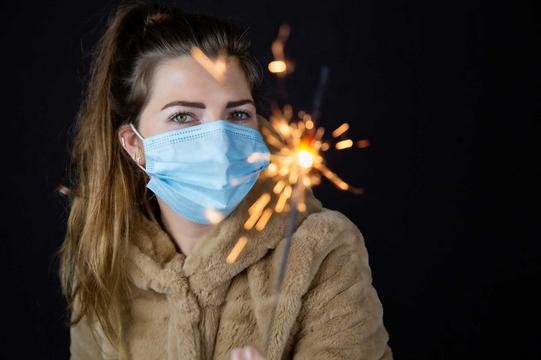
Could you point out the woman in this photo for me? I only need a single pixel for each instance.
(144, 271)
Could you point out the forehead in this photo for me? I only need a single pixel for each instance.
(183, 78)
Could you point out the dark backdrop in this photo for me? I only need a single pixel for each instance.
(447, 93)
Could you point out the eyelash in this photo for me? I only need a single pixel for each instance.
(172, 118)
(247, 114)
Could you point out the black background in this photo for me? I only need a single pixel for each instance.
(447, 93)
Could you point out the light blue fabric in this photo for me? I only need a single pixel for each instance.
(204, 167)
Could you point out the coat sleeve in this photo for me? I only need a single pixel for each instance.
(341, 316)
(83, 341)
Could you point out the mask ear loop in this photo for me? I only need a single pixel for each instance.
(138, 156)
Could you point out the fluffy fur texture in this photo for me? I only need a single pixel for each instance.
(200, 307)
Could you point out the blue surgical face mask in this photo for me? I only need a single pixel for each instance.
(204, 169)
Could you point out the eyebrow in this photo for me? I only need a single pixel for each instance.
(202, 106)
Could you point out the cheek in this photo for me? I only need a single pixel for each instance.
(152, 124)
(156, 126)
(253, 123)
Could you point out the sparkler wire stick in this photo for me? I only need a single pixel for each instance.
(283, 260)
(323, 78)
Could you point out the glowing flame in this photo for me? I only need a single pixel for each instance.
(306, 158)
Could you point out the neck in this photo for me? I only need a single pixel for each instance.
(185, 233)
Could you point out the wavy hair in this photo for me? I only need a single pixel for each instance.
(106, 190)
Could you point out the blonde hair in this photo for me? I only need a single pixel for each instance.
(106, 190)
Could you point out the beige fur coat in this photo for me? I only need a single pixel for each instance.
(201, 307)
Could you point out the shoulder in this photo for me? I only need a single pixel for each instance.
(329, 231)
(323, 244)
(327, 222)
(340, 316)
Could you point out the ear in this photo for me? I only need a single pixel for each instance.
(131, 143)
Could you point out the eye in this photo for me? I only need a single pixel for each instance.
(182, 117)
(240, 115)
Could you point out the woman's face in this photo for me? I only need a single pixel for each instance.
(185, 94)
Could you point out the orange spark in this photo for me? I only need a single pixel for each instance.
(260, 203)
(277, 66)
(340, 130)
(363, 143)
(215, 68)
(280, 66)
(232, 257)
(282, 199)
(279, 187)
(344, 144)
(263, 219)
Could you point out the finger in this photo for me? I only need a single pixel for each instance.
(253, 354)
(236, 354)
(249, 353)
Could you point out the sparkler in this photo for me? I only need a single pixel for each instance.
(297, 162)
